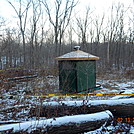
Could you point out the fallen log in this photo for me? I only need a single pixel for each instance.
(8, 122)
(119, 108)
(19, 78)
(67, 124)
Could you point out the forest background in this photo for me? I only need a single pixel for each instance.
(43, 30)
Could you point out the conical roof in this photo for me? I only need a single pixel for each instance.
(77, 55)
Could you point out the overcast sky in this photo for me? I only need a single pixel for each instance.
(99, 6)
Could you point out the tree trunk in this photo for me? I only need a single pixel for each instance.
(119, 108)
(62, 125)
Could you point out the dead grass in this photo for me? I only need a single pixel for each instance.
(115, 75)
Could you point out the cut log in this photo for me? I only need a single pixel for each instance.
(62, 125)
(119, 108)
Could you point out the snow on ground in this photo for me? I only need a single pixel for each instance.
(16, 109)
(112, 129)
(132, 130)
(128, 91)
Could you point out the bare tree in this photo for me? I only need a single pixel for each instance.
(10, 48)
(98, 26)
(83, 24)
(36, 14)
(70, 35)
(131, 24)
(22, 16)
(63, 11)
(2, 23)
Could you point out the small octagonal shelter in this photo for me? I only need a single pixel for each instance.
(77, 71)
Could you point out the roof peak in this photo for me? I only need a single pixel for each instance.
(77, 55)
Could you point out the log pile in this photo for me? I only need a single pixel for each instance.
(67, 124)
(73, 117)
(119, 108)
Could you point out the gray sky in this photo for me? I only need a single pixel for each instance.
(98, 5)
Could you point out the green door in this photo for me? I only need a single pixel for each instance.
(86, 76)
(67, 76)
